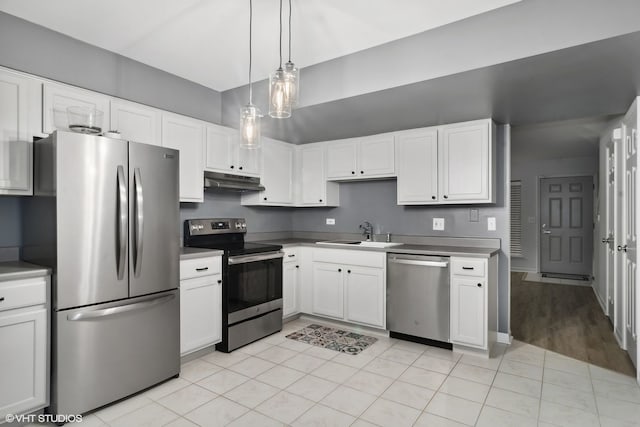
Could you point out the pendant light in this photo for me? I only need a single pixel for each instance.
(279, 105)
(292, 74)
(250, 114)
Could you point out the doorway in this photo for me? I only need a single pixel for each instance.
(566, 231)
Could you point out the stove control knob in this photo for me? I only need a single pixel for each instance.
(244, 225)
(238, 226)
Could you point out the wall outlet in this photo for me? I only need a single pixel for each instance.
(474, 215)
(491, 223)
(438, 224)
(331, 221)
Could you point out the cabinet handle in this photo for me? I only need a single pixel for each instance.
(265, 198)
(1, 299)
(349, 271)
(339, 270)
(361, 171)
(433, 197)
(353, 172)
(202, 269)
(446, 197)
(231, 166)
(320, 200)
(479, 285)
(467, 268)
(240, 168)
(219, 281)
(291, 255)
(297, 266)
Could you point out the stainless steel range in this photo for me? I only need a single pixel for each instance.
(252, 279)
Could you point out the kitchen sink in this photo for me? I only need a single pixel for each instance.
(363, 244)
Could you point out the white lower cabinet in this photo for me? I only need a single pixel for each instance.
(24, 346)
(350, 286)
(473, 321)
(291, 282)
(200, 303)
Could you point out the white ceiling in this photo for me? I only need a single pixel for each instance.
(206, 41)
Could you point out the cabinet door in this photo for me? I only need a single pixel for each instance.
(186, 135)
(248, 160)
(20, 109)
(220, 156)
(200, 313)
(365, 291)
(313, 185)
(376, 156)
(468, 315)
(465, 154)
(328, 290)
(278, 173)
(290, 275)
(23, 361)
(342, 159)
(417, 167)
(56, 99)
(136, 122)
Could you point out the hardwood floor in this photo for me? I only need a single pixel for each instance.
(565, 319)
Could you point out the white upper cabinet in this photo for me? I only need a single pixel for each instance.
(361, 158)
(312, 186)
(466, 162)
(136, 122)
(277, 175)
(417, 167)
(187, 136)
(224, 154)
(446, 165)
(20, 120)
(56, 99)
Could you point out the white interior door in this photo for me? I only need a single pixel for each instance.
(611, 219)
(630, 238)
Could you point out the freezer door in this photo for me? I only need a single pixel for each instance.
(106, 352)
(92, 219)
(154, 219)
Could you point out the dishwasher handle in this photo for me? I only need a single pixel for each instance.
(441, 264)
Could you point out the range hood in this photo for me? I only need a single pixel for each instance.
(215, 181)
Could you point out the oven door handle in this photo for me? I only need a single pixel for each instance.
(243, 259)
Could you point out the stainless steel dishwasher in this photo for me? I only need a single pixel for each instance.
(418, 298)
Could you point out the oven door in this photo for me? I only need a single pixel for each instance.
(253, 285)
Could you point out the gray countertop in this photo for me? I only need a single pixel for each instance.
(16, 270)
(191, 253)
(465, 251)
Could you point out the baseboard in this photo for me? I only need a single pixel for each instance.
(603, 306)
(523, 269)
(504, 338)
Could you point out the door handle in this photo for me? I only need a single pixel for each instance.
(122, 222)
(112, 311)
(622, 248)
(139, 221)
(607, 240)
(546, 232)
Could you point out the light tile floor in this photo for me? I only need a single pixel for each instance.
(277, 382)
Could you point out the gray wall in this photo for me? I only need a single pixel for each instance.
(10, 222)
(529, 171)
(227, 205)
(34, 49)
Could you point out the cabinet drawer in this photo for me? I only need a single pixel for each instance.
(23, 293)
(468, 267)
(351, 257)
(291, 255)
(198, 267)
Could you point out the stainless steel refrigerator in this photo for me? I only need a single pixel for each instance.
(105, 218)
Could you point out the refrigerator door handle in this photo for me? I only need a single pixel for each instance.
(139, 222)
(122, 222)
(112, 311)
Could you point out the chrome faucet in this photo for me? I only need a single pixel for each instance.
(367, 230)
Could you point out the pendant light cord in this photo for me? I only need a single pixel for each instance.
(250, 36)
(289, 30)
(280, 34)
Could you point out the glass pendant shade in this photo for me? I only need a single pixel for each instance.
(292, 82)
(279, 105)
(250, 127)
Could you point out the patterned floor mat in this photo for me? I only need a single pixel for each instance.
(333, 339)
